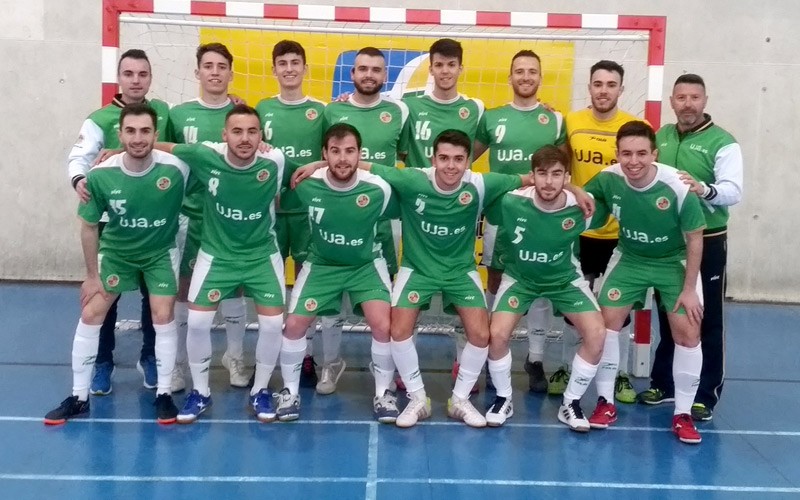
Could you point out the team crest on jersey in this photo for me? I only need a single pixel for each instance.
(163, 183)
(310, 305)
(386, 117)
(544, 119)
(513, 301)
(311, 114)
(262, 175)
(464, 198)
(614, 294)
(112, 280)
(463, 113)
(214, 295)
(413, 297)
(567, 223)
(362, 200)
(662, 203)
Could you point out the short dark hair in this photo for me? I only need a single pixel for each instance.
(288, 47)
(526, 53)
(217, 48)
(691, 78)
(340, 131)
(447, 47)
(242, 109)
(547, 156)
(454, 137)
(371, 51)
(637, 128)
(138, 109)
(611, 66)
(133, 54)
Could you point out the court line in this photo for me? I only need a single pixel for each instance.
(372, 463)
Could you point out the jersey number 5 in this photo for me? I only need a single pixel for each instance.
(518, 234)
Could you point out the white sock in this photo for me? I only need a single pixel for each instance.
(181, 320)
(582, 374)
(331, 338)
(571, 342)
(407, 362)
(292, 353)
(500, 369)
(198, 348)
(382, 366)
(472, 360)
(84, 353)
(686, 366)
(490, 300)
(166, 347)
(268, 348)
(235, 313)
(539, 322)
(310, 332)
(607, 369)
(624, 347)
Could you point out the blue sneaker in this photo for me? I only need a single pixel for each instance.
(147, 367)
(194, 406)
(101, 382)
(288, 406)
(262, 406)
(384, 408)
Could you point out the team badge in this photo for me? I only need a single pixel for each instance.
(513, 302)
(163, 183)
(311, 114)
(362, 200)
(464, 198)
(463, 113)
(544, 119)
(112, 280)
(310, 305)
(413, 297)
(386, 117)
(214, 295)
(567, 223)
(262, 175)
(614, 294)
(662, 203)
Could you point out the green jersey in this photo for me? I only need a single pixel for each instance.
(343, 219)
(143, 207)
(428, 117)
(652, 219)
(238, 202)
(295, 128)
(439, 226)
(379, 124)
(191, 122)
(513, 134)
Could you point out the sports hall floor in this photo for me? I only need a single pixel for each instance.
(337, 451)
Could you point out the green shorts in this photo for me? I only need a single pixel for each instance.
(414, 291)
(293, 234)
(626, 281)
(494, 251)
(319, 288)
(218, 279)
(189, 232)
(516, 296)
(160, 273)
(386, 237)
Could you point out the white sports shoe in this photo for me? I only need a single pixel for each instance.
(462, 409)
(501, 410)
(179, 377)
(573, 416)
(415, 410)
(331, 373)
(240, 376)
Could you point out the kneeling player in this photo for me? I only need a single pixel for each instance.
(142, 191)
(545, 222)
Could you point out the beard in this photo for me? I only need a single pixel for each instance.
(372, 91)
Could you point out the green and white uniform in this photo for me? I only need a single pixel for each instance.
(140, 236)
(238, 246)
(513, 134)
(296, 128)
(343, 255)
(652, 247)
(439, 235)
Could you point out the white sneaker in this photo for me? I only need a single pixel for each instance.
(331, 373)
(573, 416)
(288, 408)
(501, 410)
(462, 409)
(179, 377)
(415, 410)
(240, 377)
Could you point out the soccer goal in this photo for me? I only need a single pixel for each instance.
(568, 44)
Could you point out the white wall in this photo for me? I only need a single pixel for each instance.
(746, 50)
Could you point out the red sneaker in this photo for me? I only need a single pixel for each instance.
(604, 414)
(454, 375)
(683, 427)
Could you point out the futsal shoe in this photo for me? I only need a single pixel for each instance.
(331, 373)
(288, 406)
(384, 408)
(701, 412)
(239, 377)
(558, 382)
(537, 381)
(71, 407)
(147, 368)
(462, 409)
(166, 411)
(684, 429)
(308, 372)
(501, 410)
(262, 405)
(655, 396)
(195, 405)
(416, 410)
(604, 414)
(101, 382)
(572, 415)
(623, 390)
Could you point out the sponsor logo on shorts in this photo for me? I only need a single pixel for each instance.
(567, 223)
(614, 294)
(413, 297)
(513, 301)
(214, 295)
(386, 117)
(310, 305)
(465, 197)
(662, 203)
(362, 200)
(262, 175)
(163, 183)
(311, 114)
(112, 280)
(544, 119)
(463, 113)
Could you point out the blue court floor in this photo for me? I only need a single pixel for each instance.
(337, 451)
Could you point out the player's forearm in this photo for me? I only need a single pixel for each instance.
(90, 243)
(84, 151)
(694, 254)
(166, 147)
(726, 189)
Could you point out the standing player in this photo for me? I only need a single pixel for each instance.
(237, 250)
(546, 222)
(344, 207)
(512, 133)
(100, 131)
(195, 121)
(660, 246)
(711, 162)
(293, 123)
(591, 134)
(142, 192)
(380, 121)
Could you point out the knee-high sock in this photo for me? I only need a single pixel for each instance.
(607, 369)
(571, 342)
(331, 338)
(461, 340)
(268, 348)
(407, 362)
(292, 353)
(686, 367)
(382, 366)
(579, 379)
(181, 322)
(198, 348)
(84, 353)
(472, 360)
(500, 369)
(540, 320)
(235, 313)
(166, 349)
(624, 348)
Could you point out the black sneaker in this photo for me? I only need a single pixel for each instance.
(71, 407)
(166, 411)
(655, 396)
(308, 373)
(537, 382)
(702, 413)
